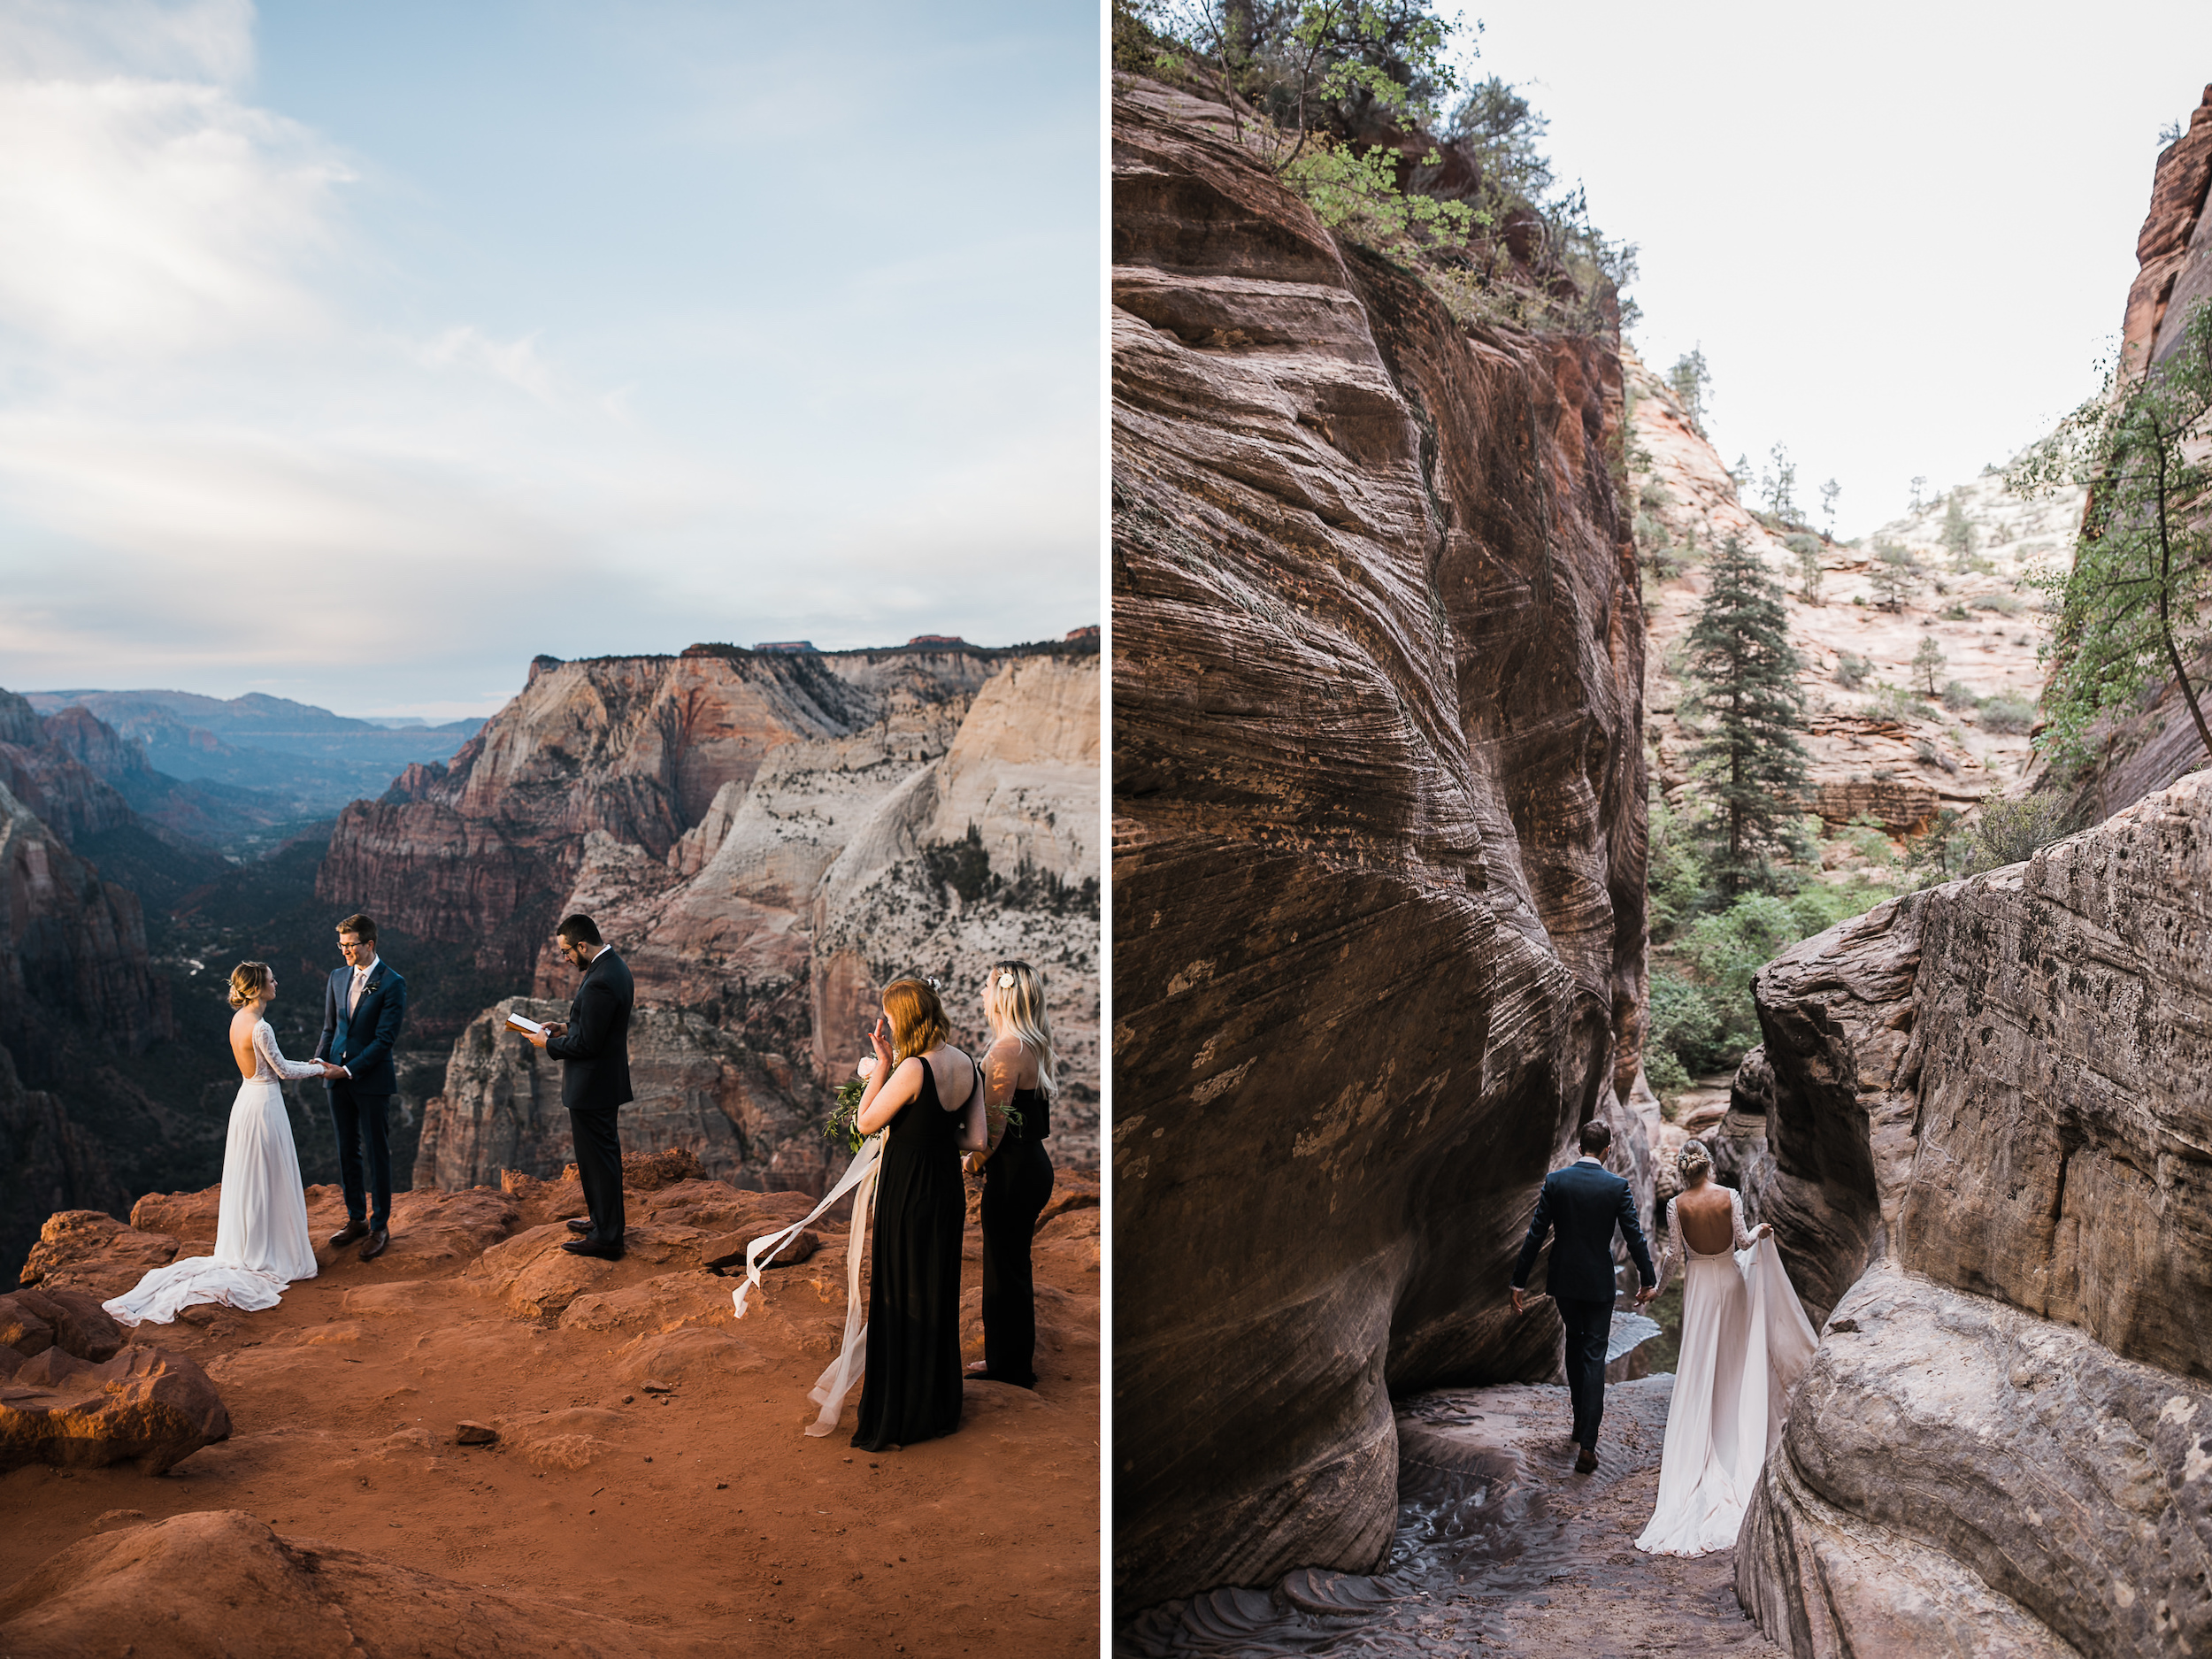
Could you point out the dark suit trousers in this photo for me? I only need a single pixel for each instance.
(358, 1120)
(599, 1168)
(1589, 1327)
(1017, 1183)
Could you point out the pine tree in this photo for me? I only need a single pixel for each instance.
(1927, 663)
(1744, 675)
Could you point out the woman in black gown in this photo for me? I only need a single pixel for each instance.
(931, 1095)
(1017, 1174)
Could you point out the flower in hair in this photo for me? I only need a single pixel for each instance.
(1005, 980)
(933, 985)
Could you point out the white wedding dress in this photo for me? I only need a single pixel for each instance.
(261, 1242)
(1745, 1343)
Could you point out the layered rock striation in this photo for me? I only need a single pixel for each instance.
(767, 840)
(1993, 1096)
(1378, 848)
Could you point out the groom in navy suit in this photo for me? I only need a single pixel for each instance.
(1582, 1204)
(363, 1006)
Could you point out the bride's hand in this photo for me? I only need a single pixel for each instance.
(1766, 1231)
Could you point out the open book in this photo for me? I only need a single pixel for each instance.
(527, 1027)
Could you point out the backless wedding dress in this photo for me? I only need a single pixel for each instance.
(1745, 1343)
(261, 1242)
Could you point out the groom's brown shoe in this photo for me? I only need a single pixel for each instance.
(375, 1247)
(348, 1233)
(1585, 1462)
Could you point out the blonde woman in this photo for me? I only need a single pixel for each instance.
(1745, 1343)
(261, 1242)
(929, 1096)
(1017, 1174)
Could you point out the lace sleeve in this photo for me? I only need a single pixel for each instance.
(1744, 1241)
(265, 1043)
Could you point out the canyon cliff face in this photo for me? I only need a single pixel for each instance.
(2150, 747)
(1378, 848)
(767, 840)
(1993, 1096)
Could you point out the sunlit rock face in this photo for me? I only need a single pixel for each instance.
(1379, 849)
(1993, 1094)
(953, 825)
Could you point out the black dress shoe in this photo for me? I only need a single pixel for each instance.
(375, 1247)
(592, 1246)
(577, 1225)
(1585, 1462)
(348, 1233)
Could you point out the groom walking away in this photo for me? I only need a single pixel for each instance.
(593, 1045)
(1582, 1204)
(363, 1006)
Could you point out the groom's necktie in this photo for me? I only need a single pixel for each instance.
(359, 980)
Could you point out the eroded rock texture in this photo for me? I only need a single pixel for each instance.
(1379, 849)
(1996, 1092)
(767, 840)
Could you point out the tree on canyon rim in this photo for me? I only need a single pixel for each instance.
(2132, 608)
(1745, 693)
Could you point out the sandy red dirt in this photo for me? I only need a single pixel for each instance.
(608, 1518)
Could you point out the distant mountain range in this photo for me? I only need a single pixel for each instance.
(308, 761)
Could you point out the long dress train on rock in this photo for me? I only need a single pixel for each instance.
(261, 1242)
(1745, 1343)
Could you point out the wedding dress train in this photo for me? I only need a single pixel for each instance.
(1745, 1343)
(261, 1242)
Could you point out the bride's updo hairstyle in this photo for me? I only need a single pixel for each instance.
(917, 1019)
(248, 981)
(1693, 1161)
(1016, 992)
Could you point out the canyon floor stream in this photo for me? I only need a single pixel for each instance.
(1500, 1548)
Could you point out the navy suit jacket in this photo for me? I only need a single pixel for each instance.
(362, 1040)
(1582, 1204)
(594, 1050)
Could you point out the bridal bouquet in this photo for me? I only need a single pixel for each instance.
(843, 1123)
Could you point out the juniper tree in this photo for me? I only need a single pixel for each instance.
(1743, 674)
(2132, 606)
(1896, 574)
(1927, 663)
(1693, 384)
(1958, 532)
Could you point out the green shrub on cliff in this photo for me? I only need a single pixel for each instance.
(2133, 604)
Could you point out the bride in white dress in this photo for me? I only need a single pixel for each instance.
(1745, 1343)
(261, 1242)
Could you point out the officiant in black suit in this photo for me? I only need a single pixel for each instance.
(363, 1006)
(1580, 1206)
(593, 1045)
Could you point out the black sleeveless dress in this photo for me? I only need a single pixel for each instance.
(1017, 1184)
(911, 1388)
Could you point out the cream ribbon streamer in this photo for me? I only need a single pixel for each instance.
(830, 1389)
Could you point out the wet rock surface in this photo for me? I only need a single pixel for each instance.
(1500, 1549)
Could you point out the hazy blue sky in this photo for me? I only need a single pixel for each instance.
(357, 353)
(1904, 233)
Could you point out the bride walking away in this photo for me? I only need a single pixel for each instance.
(261, 1242)
(1745, 1343)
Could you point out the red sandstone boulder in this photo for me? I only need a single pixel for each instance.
(143, 1405)
(90, 1251)
(32, 1321)
(219, 1582)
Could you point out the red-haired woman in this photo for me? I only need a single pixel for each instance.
(930, 1096)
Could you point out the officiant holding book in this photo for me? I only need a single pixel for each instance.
(593, 1046)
